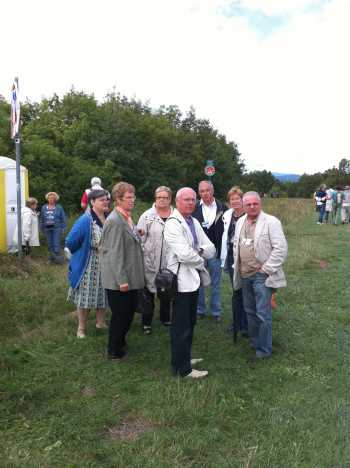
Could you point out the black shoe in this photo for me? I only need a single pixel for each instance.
(217, 318)
(117, 358)
(166, 324)
(147, 329)
(254, 360)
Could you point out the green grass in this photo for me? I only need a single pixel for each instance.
(62, 404)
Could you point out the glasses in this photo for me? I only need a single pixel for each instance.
(162, 198)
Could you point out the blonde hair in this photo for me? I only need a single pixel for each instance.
(163, 188)
(119, 190)
(235, 190)
(52, 193)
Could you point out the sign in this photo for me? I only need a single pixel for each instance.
(15, 109)
(209, 169)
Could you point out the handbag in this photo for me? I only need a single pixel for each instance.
(165, 280)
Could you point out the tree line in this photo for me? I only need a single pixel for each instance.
(67, 140)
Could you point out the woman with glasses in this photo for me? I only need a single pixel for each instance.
(122, 267)
(84, 274)
(151, 226)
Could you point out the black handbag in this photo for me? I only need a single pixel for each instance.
(165, 280)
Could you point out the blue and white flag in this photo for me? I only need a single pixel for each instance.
(15, 109)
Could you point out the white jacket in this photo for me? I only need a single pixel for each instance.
(152, 225)
(30, 228)
(270, 247)
(181, 249)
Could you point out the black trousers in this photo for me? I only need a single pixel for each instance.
(123, 306)
(239, 314)
(181, 331)
(164, 310)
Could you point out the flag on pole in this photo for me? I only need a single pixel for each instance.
(15, 109)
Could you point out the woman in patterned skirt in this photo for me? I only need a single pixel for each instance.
(84, 273)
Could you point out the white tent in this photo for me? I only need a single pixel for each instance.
(8, 201)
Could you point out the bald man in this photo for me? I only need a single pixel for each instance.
(188, 248)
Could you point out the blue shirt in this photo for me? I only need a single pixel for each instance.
(189, 221)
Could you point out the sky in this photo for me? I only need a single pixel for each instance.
(271, 75)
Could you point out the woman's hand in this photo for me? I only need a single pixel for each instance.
(124, 287)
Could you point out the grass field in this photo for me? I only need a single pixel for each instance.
(62, 404)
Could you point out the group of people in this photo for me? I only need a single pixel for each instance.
(114, 261)
(332, 205)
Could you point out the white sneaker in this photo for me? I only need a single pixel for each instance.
(197, 374)
(81, 333)
(196, 361)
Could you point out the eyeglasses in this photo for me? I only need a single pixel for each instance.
(162, 198)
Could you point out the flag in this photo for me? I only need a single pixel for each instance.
(15, 109)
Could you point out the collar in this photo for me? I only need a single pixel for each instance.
(95, 218)
(126, 215)
(212, 204)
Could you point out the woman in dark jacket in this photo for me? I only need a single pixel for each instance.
(84, 273)
(230, 218)
(53, 224)
(121, 267)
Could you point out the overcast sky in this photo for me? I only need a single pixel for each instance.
(272, 75)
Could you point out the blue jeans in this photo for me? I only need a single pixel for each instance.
(53, 236)
(322, 213)
(214, 267)
(257, 303)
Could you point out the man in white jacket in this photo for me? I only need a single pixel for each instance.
(260, 249)
(188, 248)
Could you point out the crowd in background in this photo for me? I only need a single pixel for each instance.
(332, 205)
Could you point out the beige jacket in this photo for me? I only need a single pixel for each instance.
(153, 226)
(181, 249)
(120, 255)
(270, 248)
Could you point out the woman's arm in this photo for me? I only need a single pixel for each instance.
(77, 234)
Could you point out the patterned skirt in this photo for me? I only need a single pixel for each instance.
(90, 294)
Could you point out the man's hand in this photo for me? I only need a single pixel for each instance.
(124, 287)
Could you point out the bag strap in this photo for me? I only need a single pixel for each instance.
(161, 249)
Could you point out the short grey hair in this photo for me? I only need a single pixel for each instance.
(181, 190)
(208, 182)
(96, 181)
(252, 194)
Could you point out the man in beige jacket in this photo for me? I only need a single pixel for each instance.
(260, 249)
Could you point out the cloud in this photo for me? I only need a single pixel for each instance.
(281, 94)
(278, 7)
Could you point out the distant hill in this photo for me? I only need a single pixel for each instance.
(286, 177)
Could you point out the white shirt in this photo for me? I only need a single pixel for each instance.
(209, 213)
